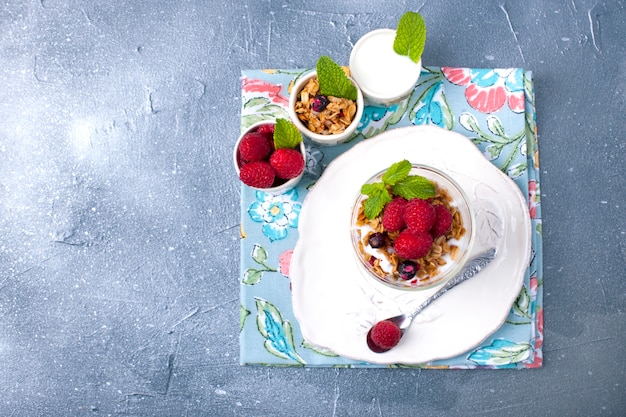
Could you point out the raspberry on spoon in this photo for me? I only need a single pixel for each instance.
(384, 335)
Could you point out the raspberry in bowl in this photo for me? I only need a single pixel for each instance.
(269, 161)
(417, 230)
(322, 114)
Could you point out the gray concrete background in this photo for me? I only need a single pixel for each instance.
(119, 208)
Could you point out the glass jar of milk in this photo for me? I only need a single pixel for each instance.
(384, 76)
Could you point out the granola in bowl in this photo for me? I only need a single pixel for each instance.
(325, 119)
(324, 115)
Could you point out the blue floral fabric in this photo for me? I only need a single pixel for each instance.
(494, 108)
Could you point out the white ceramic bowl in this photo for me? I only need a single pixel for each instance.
(384, 76)
(280, 186)
(388, 274)
(326, 140)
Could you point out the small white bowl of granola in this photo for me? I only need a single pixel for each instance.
(326, 120)
(414, 243)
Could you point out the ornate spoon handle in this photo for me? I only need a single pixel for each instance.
(473, 266)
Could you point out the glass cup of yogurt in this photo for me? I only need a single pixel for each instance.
(448, 254)
(384, 76)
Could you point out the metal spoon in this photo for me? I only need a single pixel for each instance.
(403, 321)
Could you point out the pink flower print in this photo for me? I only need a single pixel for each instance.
(533, 285)
(533, 198)
(516, 102)
(485, 100)
(458, 76)
(284, 261)
(487, 90)
(259, 86)
(538, 360)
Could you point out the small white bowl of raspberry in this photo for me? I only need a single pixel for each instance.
(261, 166)
(326, 120)
(415, 244)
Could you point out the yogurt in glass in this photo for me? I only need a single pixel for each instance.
(384, 76)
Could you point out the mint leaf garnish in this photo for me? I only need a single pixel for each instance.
(410, 36)
(377, 197)
(333, 80)
(401, 183)
(414, 186)
(397, 172)
(286, 134)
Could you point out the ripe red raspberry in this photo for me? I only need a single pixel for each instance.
(259, 174)
(443, 221)
(287, 163)
(410, 245)
(267, 130)
(254, 147)
(270, 142)
(393, 219)
(419, 215)
(385, 334)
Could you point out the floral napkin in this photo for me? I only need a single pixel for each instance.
(494, 108)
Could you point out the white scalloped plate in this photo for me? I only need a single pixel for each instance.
(336, 304)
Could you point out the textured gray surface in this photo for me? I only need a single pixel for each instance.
(119, 208)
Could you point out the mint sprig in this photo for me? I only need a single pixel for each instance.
(410, 36)
(377, 198)
(414, 186)
(397, 172)
(286, 134)
(333, 80)
(397, 180)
